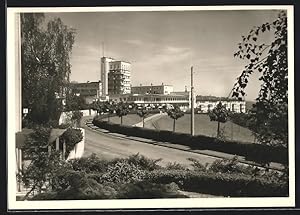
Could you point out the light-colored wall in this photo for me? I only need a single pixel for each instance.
(234, 106)
(65, 117)
(154, 89)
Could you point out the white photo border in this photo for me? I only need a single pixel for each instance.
(13, 63)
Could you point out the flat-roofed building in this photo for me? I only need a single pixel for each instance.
(90, 91)
(154, 99)
(115, 77)
(205, 104)
(152, 89)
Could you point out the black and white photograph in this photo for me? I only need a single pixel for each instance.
(150, 107)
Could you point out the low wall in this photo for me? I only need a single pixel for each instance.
(65, 117)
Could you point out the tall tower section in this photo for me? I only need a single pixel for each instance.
(119, 78)
(115, 77)
(105, 63)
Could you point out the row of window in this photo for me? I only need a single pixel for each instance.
(227, 106)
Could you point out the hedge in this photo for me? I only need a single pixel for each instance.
(223, 184)
(251, 151)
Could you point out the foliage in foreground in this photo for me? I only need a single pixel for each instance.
(269, 59)
(139, 177)
(44, 166)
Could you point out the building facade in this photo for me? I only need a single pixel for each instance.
(204, 104)
(115, 77)
(152, 89)
(90, 91)
(152, 99)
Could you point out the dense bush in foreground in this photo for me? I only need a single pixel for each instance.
(255, 152)
(139, 177)
(223, 184)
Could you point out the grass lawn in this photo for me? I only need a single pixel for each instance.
(203, 126)
(130, 119)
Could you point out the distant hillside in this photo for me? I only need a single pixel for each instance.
(249, 105)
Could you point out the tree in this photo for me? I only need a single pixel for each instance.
(122, 110)
(175, 113)
(219, 114)
(76, 117)
(45, 56)
(98, 106)
(75, 102)
(269, 115)
(143, 113)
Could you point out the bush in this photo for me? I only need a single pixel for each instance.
(72, 136)
(90, 164)
(256, 152)
(122, 172)
(143, 162)
(147, 190)
(220, 183)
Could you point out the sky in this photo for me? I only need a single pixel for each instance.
(162, 46)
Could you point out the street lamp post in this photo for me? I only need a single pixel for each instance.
(192, 104)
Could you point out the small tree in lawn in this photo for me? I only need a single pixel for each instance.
(109, 108)
(219, 114)
(98, 106)
(143, 113)
(175, 113)
(122, 110)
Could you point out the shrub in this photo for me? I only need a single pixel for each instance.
(122, 172)
(224, 184)
(71, 136)
(143, 162)
(232, 166)
(93, 190)
(197, 165)
(147, 190)
(175, 166)
(90, 164)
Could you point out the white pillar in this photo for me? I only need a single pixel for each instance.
(64, 151)
(57, 144)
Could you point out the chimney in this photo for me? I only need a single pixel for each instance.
(185, 88)
(162, 83)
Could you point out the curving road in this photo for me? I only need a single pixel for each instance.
(108, 146)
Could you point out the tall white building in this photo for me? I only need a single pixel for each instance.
(115, 76)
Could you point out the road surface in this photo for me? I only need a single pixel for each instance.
(107, 146)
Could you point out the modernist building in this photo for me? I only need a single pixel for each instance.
(115, 77)
(90, 91)
(206, 103)
(152, 89)
(160, 99)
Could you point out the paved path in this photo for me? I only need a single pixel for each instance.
(156, 149)
(150, 119)
(108, 145)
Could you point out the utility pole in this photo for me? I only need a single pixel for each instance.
(102, 49)
(192, 104)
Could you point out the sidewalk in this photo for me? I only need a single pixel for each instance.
(221, 155)
(155, 116)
